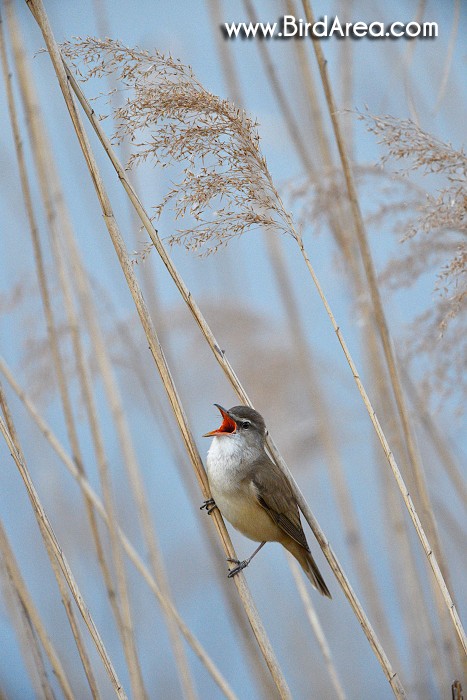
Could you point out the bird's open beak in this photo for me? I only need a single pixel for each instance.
(228, 424)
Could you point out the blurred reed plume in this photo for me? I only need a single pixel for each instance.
(434, 242)
(440, 216)
(428, 218)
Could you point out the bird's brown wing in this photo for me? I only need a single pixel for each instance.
(275, 495)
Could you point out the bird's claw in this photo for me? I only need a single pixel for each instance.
(210, 505)
(240, 566)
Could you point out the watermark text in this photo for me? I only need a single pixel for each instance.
(289, 27)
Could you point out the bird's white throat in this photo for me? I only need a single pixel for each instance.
(228, 458)
(224, 456)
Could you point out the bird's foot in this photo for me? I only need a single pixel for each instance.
(210, 505)
(240, 566)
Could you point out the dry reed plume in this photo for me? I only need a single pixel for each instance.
(169, 118)
(434, 238)
(430, 223)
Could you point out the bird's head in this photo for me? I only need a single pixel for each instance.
(241, 422)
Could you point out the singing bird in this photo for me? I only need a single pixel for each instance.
(252, 493)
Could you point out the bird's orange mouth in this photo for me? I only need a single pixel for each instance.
(228, 424)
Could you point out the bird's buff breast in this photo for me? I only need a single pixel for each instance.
(235, 497)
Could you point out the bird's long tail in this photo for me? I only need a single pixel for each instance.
(313, 573)
(309, 566)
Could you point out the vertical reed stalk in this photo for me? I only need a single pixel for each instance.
(124, 619)
(88, 670)
(101, 15)
(337, 218)
(317, 629)
(281, 98)
(336, 471)
(346, 10)
(420, 628)
(101, 354)
(427, 655)
(13, 571)
(312, 96)
(390, 457)
(58, 556)
(21, 621)
(232, 82)
(438, 440)
(362, 567)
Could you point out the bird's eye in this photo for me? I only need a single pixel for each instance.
(246, 424)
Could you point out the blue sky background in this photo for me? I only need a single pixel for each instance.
(239, 297)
